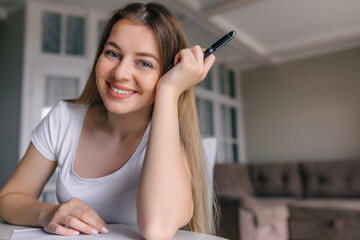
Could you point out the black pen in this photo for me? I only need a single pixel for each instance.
(218, 44)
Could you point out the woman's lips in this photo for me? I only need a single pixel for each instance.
(120, 92)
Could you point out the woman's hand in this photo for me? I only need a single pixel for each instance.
(189, 69)
(73, 217)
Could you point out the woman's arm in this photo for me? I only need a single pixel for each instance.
(19, 201)
(18, 198)
(164, 202)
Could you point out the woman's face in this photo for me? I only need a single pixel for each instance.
(128, 68)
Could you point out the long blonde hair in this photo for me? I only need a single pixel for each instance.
(171, 39)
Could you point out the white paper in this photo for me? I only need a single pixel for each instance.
(116, 231)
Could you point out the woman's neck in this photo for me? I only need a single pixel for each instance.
(119, 126)
(127, 124)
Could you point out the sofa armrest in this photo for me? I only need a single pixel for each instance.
(238, 216)
(229, 218)
(266, 213)
(251, 219)
(264, 221)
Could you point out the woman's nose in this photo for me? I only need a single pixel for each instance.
(122, 71)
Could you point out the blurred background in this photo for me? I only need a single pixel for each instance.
(285, 89)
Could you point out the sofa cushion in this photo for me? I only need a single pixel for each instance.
(232, 180)
(276, 179)
(332, 178)
(325, 219)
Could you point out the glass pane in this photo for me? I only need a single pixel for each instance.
(221, 79)
(225, 152)
(233, 122)
(101, 25)
(75, 35)
(59, 88)
(232, 91)
(205, 113)
(51, 30)
(199, 109)
(224, 121)
(206, 83)
(208, 118)
(235, 152)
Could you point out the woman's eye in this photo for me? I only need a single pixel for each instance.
(145, 64)
(112, 54)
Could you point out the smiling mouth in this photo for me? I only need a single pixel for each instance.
(119, 91)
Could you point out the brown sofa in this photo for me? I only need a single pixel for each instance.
(289, 200)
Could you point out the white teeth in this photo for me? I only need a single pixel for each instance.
(119, 91)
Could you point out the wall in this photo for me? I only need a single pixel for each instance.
(11, 49)
(304, 110)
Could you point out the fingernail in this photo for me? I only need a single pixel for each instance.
(104, 230)
(94, 231)
(75, 233)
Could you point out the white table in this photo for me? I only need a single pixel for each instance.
(6, 231)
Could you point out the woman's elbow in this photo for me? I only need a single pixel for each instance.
(163, 226)
(156, 231)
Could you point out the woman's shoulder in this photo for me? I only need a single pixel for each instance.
(65, 112)
(65, 107)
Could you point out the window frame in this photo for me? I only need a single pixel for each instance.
(38, 64)
(64, 13)
(219, 99)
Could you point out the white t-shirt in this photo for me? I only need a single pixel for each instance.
(113, 196)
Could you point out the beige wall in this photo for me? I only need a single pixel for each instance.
(304, 110)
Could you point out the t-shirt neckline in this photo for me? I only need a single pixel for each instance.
(131, 160)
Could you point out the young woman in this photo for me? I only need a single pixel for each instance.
(128, 150)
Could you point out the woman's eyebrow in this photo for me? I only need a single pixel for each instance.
(145, 54)
(113, 44)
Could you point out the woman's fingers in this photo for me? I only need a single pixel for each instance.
(79, 225)
(189, 69)
(198, 53)
(93, 223)
(204, 65)
(61, 230)
(74, 225)
(182, 56)
(88, 215)
(73, 217)
(208, 63)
